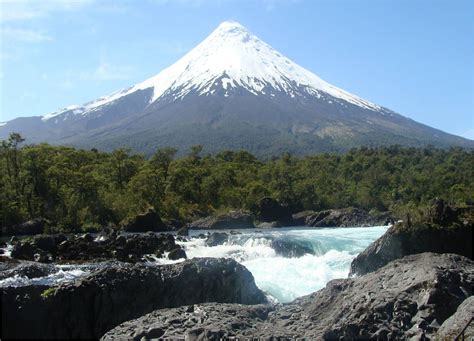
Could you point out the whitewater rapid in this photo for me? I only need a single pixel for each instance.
(286, 278)
(282, 278)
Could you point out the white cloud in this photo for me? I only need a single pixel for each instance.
(20, 10)
(26, 35)
(469, 134)
(66, 85)
(192, 3)
(271, 5)
(106, 72)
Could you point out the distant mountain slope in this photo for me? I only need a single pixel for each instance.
(233, 91)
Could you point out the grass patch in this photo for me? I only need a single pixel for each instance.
(48, 293)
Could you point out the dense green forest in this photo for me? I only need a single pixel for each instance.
(80, 189)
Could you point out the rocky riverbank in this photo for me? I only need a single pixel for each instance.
(269, 214)
(347, 217)
(413, 282)
(375, 306)
(443, 229)
(106, 246)
(118, 292)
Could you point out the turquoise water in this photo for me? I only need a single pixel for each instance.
(283, 278)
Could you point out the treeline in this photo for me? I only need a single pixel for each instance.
(80, 189)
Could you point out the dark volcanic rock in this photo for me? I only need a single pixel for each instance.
(271, 224)
(231, 220)
(455, 324)
(183, 231)
(24, 250)
(30, 227)
(291, 248)
(177, 253)
(398, 242)
(217, 238)
(347, 217)
(48, 243)
(405, 239)
(199, 322)
(129, 248)
(102, 300)
(148, 221)
(25, 269)
(409, 297)
(270, 210)
(300, 217)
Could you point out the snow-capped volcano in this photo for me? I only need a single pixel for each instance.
(230, 57)
(232, 83)
(235, 57)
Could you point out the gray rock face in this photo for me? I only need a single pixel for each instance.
(290, 248)
(217, 238)
(346, 217)
(130, 248)
(177, 253)
(300, 217)
(409, 297)
(454, 326)
(273, 224)
(400, 241)
(24, 269)
(196, 322)
(231, 220)
(183, 231)
(102, 300)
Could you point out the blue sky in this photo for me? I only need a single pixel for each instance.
(413, 56)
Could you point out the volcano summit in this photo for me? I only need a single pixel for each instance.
(232, 91)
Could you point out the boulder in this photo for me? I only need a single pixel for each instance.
(407, 238)
(230, 220)
(409, 298)
(93, 305)
(176, 224)
(271, 224)
(24, 250)
(217, 238)
(177, 253)
(460, 323)
(270, 210)
(48, 243)
(291, 248)
(347, 217)
(148, 221)
(30, 227)
(129, 248)
(26, 269)
(300, 217)
(209, 321)
(183, 231)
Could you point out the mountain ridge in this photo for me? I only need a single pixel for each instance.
(231, 90)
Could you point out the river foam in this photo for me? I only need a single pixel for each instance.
(285, 278)
(282, 278)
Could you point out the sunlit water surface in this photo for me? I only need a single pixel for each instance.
(288, 278)
(281, 278)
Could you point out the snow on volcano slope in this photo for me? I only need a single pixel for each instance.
(232, 51)
(237, 58)
(231, 91)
